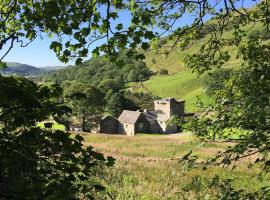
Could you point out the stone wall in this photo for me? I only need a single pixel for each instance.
(127, 129)
(170, 107)
(109, 125)
(142, 125)
(177, 108)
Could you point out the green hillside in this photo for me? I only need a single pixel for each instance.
(174, 61)
(182, 83)
(21, 69)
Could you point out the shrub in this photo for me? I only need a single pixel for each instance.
(163, 71)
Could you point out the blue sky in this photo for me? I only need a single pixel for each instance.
(38, 53)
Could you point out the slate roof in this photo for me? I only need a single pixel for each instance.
(129, 117)
(162, 117)
(108, 117)
(151, 115)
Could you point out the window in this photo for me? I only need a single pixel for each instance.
(140, 125)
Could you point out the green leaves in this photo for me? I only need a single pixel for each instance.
(3, 65)
(41, 163)
(79, 61)
(119, 27)
(56, 47)
(241, 105)
(86, 23)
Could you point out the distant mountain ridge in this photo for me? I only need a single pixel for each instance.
(21, 69)
(26, 70)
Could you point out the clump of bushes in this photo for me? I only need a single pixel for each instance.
(163, 71)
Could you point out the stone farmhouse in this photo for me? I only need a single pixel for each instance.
(146, 121)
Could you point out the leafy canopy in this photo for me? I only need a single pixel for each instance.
(41, 163)
(89, 21)
(86, 102)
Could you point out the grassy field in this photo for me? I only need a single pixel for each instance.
(183, 85)
(146, 167)
(55, 126)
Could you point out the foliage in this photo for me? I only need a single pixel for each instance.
(115, 104)
(141, 100)
(163, 71)
(40, 163)
(244, 106)
(102, 73)
(110, 85)
(89, 22)
(215, 80)
(237, 105)
(87, 104)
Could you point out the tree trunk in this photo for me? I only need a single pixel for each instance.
(83, 124)
(67, 126)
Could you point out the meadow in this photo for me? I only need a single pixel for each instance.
(55, 125)
(183, 85)
(147, 167)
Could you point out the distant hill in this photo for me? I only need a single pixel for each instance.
(98, 71)
(183, 85)
(21, 69)
(52, 68)
(27, 70)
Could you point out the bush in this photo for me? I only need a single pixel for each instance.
(40, 163)
(163, 71)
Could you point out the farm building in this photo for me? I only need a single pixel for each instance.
(108, 125)
(132, 122)
(146, 121)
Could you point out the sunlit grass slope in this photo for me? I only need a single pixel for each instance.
(146, 167)
(181, 82)
(55, 126)
(183, 85)
(174, 61)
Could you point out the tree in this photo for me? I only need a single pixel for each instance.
(216, 79)
(140, 100)
(115, 104)
(101, 72)
(22, 22)
(41, 163)
(163, 71)
(110, 84)
(242, 105)
(87, 104)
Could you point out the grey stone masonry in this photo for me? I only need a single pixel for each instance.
(170, 107)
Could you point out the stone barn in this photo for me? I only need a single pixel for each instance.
(109, 125)
(146, 121)
(132, 122)
(170, 107)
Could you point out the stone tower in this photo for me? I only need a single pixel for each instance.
(170, 106)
